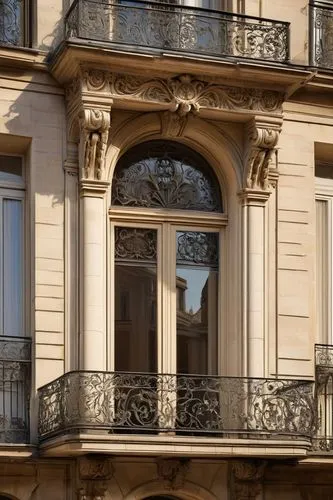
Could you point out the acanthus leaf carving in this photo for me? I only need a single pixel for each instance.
(186, 94)
(94, 125)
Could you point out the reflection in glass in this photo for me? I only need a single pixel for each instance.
(135, 300)
(197, 289)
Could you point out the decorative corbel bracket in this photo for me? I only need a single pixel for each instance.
(94, 132)
(260, 173)
(93, 472)
(246, 478)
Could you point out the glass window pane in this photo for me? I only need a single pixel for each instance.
(11, 168)
(197, 290)
(11, 22)
(135, 299)
(13, 267)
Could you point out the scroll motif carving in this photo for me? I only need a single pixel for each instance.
(172, 472)
(95, 125)
(246, 478)
(183, 93)
(186, 94)
(262, 143)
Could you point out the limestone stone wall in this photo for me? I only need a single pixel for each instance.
(32, 124)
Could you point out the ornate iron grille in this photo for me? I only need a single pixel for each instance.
(177, 28)
(135, 245)
(164, 174)
(323, 442)
(186, 404)
(15, 377)
(11, 22)
(321, 34)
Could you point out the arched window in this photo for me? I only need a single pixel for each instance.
(167, 230)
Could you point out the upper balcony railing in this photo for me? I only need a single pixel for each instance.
(145, 25)
(137, 403)
(321, 34)
(323, 442)
(15, 378)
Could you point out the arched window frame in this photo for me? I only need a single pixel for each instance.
(167, 222)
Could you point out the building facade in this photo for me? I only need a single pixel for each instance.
(166, 249)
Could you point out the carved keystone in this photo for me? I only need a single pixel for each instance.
(172, 472)
(246, 479)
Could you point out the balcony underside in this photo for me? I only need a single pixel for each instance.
(163, 445)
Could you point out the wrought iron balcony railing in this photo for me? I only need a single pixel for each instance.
(321, 34)
(15, 377)
(185, 404)
(323, 441)
(12, 22)
(137, 24)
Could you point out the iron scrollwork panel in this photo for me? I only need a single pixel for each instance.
(178, 28)
(165, 175)
(322, 36)
(187, 404)
(15, 377)
(11, 22)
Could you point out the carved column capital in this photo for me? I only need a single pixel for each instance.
(260, 169)
(172, 472)
(246, 479)
(94, 133)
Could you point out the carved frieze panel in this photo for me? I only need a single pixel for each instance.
(182, 93)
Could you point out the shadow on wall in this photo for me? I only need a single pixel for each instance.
(37, 113)
(50, 41)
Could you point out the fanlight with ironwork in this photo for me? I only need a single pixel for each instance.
(165, 174)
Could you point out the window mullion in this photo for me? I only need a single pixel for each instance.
(169, 361)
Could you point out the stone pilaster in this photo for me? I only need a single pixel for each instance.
(260, 176)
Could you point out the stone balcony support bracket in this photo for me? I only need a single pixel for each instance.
(94, 472)
(246, 478)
